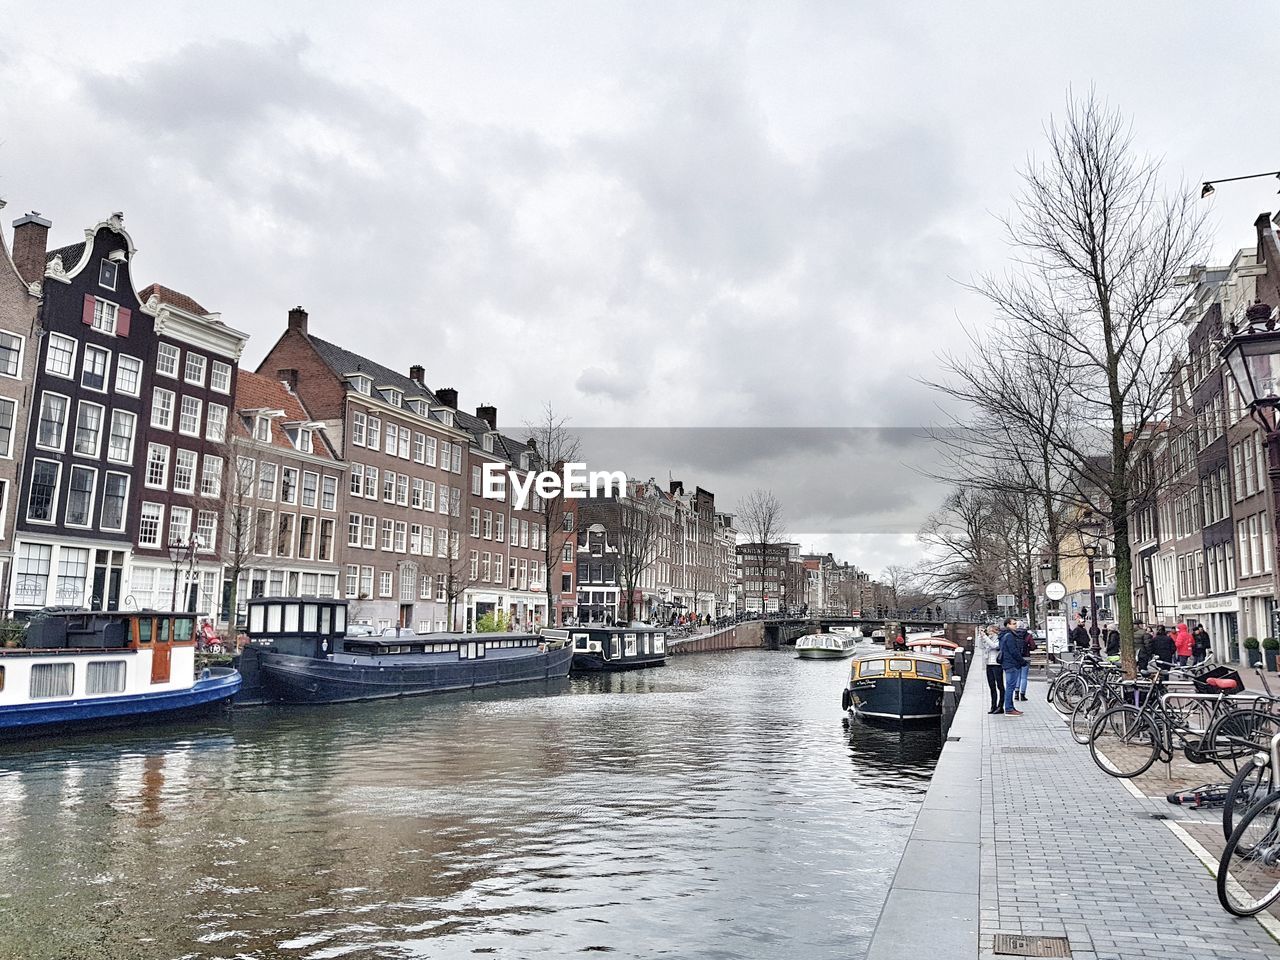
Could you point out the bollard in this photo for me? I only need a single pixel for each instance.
(950, 702)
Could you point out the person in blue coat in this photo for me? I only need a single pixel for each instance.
(1012, 660)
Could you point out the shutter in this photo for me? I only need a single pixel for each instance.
(123, 316)
(88, 309)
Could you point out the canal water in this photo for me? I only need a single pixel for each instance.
(714, 808)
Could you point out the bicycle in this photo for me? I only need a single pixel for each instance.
(1249, 868)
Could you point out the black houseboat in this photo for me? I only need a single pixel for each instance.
(613, 648)
(299, 653)
(898, 686)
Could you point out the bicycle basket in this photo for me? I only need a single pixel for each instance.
(1218, 673)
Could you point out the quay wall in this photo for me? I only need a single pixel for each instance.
(740, 636)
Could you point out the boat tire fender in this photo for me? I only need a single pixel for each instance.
(844, 699)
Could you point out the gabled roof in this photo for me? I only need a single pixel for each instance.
(173, 298)
(254, 391)
(344, 362)
(70, 254)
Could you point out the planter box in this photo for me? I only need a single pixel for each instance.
(1254, 657)
(1270, 656)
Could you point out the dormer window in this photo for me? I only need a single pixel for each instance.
(394, 397)
(487, 442)
(524, 461)
(446, 417)
(363, 385)
(262, 429)
(107, 274)
(419, 407)
(302, 440)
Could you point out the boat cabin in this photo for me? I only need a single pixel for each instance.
(300, 626)
(912, 666)
(614, 648)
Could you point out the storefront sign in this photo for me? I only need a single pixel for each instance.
(1229, 604)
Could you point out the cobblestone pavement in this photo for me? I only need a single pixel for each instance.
(1069, 851)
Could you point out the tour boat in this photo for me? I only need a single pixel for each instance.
(598, 649)
(826, 646)
(897, 685)
(936, 645)
(98, 668)
(298, 652)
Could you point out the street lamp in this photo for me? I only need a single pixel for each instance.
(178, 552)
(1207, 189)
(1090, 531)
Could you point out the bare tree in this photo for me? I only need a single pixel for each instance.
(639, 529)
(556, 446)
(452, 566)
(1097, 289)
(238, 518)
(761, 516)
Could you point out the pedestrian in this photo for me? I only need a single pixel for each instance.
(1141, 645)
(1183, 644)
(1201, 644)
(1162, 647)
(1028, 644)
(1011, 661)
(1113, 640)
(990, 650)
(1079, 634)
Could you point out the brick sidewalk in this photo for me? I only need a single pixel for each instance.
(1069, 851)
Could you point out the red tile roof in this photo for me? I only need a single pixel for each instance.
(257, 392)
(173, 298)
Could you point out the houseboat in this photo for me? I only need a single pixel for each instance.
(613, 648)
(826, 646)
(97, 668)
(899, 686)
(299, 652)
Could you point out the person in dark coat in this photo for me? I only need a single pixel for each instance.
(1012, 646)
(1113, 641)
(1080, 634)
(1200, 643)
(1141, 645)
(1162, 647)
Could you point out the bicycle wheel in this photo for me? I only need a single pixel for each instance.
(1251, 784)
(1249, 870)
(1124, 742)
(1086, 713)
(1068, 693)
(1236, 736)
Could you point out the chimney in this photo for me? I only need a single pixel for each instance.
(489, 415)
(298, 320)
(677, 486)
(532, 444)
(416, 373)
(448, 397)
(289, 378)
(30, 242)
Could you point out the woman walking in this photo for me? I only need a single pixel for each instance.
(995, 673)
(1183, 644)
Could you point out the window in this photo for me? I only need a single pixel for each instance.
(325, 551)
(128, 375)
(389, 486)
(61, 358)
(107, 275)
(329, 493)
(369, 533)
(179, 525)
(455, 501)
(456, 450)
(42, 499)
(366, 581)
(167, 360)
(393, 435)
(393, 397)
(401, 532)
(266, 481)
(80, 497)
(284, 535)
(157, 466)
(419, 447)
(353, 580)
(105, 676)
(363, 385)
(115, 492)
(355, 485)
(402, 489)
(53, 421)
(431, 451)
(7, 408)
(371, 483)
(353, 529)
(373, 437)
(288, 484)
(220, 377)
(486, 561)
(88, 429)
(424, 587)
(475, 481)
(388, 533)
(189, 422)
(306, 536)
(442, 542)
(215, 426)
(104, 317)
(52, 680)
(184, 471)
(429, 495)
(193, 371)
(94, 374)
(162, 408)
(310, 488)
(262, 429)
(475, 521)
(211, 476)
(149, 522)
(404, 443)
(10, 355)
(384, 584)
(358, 421)
(501, 534)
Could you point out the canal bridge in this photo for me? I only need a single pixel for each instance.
(776, 632)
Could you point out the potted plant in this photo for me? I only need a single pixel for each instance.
(1270, 650)
(1251, 651)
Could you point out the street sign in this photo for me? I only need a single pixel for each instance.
(1055, 590)
(1056, 628)
(1005, 600)
(1074, 604)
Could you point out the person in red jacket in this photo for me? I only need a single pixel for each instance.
(1183, 644)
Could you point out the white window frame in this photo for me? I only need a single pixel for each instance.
(163, 355)
(73, 344)
(123, 360)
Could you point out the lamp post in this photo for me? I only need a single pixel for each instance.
(178, 552)
(1090, 531)
(1252, 356)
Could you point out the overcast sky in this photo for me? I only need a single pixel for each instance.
(651, 215)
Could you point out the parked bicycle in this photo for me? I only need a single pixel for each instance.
(1249, 868)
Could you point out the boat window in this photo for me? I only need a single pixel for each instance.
(615, 648)
(310, 618)
(105, 676)
(326, 619)
(257, 617)
(162, 630)
(144, 629)
(659, 643)
(580, 643)
(926, 669)
(183, 628)
(871, 668)
(339, 620)
(631, 644)
(903, 666)
(291, 618)
(52, 680)
(274, 618)
(480, 648)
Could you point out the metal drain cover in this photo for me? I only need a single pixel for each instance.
(1036, 751)
(1016, 945)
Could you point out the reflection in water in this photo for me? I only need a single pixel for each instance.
(713, 808)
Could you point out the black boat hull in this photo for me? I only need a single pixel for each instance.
(899, 699)
(595, 663)
(291, 679)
